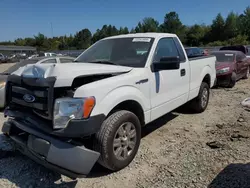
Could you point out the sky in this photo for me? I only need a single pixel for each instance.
(25, 18)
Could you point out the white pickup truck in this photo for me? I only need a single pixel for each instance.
(69, 116)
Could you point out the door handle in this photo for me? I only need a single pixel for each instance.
(183, 72)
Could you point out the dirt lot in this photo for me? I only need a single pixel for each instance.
(174, 152)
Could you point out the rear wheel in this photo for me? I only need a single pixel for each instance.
(199, 104)
(232, 80)
(118, 140)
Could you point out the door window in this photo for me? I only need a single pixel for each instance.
(65, 60)
(166, 48)
(49, 61)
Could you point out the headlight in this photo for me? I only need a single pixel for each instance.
(2, 84)
(66, 109)
(224, 70)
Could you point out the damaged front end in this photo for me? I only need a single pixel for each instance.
(30, 96)
(30, 126)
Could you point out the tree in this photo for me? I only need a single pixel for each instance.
(83, 39)
(217, 29)
(106, 31)
(238, 40)
(244, 23)
(172, 24)
(123, 30)
(231, 26)
(195, 35)
(235, 29)
(6, 43)
(30, 41)
(41, 42)
(20, 42)
(147, 25)
(132, 30)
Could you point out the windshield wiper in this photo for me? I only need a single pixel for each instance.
(103, 62)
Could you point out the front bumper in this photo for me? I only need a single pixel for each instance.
(223, 79)
(74, 129)
(53, 153)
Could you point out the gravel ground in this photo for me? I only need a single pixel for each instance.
(181, 149)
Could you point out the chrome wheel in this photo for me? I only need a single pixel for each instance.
(204, 97)
(124, 141)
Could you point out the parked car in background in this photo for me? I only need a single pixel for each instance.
(230, 67)
(241, 48)
(40, 60)
(47, 54)
(113, 89)
(3, 58)
(194, 52)
(33, 56)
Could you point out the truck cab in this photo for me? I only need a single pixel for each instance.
(109, 92)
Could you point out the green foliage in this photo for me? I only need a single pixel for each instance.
(172, 24)
(232, 30)
(217, 29)
(195, 35)
(217, 43)
(147, 25)
(239, 40)
(82, 39)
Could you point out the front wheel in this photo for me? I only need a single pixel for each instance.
(247, 74)
(199, 104)
(118, 140)
(232, 80)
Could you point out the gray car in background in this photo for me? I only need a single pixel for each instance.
(38, 60)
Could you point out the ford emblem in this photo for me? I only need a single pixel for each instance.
(29, 98)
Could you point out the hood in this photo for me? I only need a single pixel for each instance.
(221, 65)
(66, 72)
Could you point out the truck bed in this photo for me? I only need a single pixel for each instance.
(198, 67)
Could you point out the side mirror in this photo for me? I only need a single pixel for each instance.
(166, 63)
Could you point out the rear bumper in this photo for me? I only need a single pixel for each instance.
(63, 157)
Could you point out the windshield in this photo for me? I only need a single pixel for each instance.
(132, 52)
(224, 57)
(18, 65)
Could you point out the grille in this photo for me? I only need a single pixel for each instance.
(40, 104)
(41, 90)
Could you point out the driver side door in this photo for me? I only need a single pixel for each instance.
(169, 88)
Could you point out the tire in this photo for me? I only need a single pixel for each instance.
(199, 104)
(247, 73)
(109, 132)
(232, 80)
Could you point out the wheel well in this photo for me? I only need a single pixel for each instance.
(131, 106)
(207, 79)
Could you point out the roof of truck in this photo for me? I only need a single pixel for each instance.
(151, 35)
